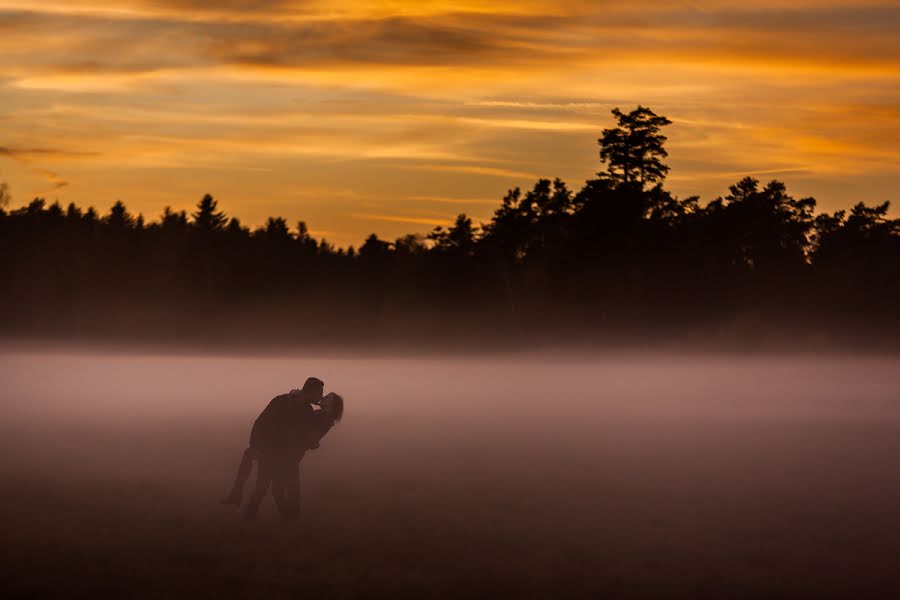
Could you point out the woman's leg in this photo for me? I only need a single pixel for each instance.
(243, 474)
(263, 479)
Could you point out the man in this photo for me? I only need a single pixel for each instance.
(281, 434)
(283, 473)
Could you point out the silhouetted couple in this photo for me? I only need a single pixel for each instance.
(288, 427)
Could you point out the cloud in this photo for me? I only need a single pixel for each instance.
(56, 181)
(453, 200)
(435, 100)
(473, 169)
(432, 221)
(80, 44)
(27, 154)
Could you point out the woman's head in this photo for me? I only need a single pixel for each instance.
(334, 404)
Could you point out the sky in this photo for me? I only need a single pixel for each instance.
(393, 116)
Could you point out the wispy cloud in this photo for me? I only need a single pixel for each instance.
(473, 170)
(55, 180)
(432, 221)
(451, 200)
(26, 154)
(76, 43)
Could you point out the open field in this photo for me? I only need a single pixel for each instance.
(514, 476)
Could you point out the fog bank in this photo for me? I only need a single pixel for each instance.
(529, 475)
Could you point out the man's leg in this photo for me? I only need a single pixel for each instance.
(286, 491)
(243, 474)
(291, 497)
(278, 491)
(263, 479)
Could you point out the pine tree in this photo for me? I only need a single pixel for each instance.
(119, 217)
(633, 151)
(207, 217)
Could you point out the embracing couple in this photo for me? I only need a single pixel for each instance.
(290, 425)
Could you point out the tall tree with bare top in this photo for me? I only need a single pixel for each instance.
(633, 150)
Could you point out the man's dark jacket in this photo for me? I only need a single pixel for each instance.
(287, 427)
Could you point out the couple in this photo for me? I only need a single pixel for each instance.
(281, 435)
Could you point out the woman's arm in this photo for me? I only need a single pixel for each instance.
(321, 423)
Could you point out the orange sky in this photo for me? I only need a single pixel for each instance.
(393, 116)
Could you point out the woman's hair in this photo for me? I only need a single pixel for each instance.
(336, 405)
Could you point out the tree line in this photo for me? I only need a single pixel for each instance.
(621, 259)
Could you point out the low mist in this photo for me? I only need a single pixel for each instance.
(524, 475)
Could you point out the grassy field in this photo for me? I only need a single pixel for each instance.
(516, 476)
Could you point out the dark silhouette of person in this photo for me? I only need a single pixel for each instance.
(280, 437)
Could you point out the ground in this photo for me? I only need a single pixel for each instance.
(514, 476)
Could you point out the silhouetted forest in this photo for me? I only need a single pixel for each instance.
(621, 259)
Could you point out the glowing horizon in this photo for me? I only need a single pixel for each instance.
(391, 117)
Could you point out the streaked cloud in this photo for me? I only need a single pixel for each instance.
(430, 221)
(27, 154)
(461, 201)
(56, 182)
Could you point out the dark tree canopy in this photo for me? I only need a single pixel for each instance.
(619, 258)
(460, 238)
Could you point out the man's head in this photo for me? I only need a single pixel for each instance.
(312, 389)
